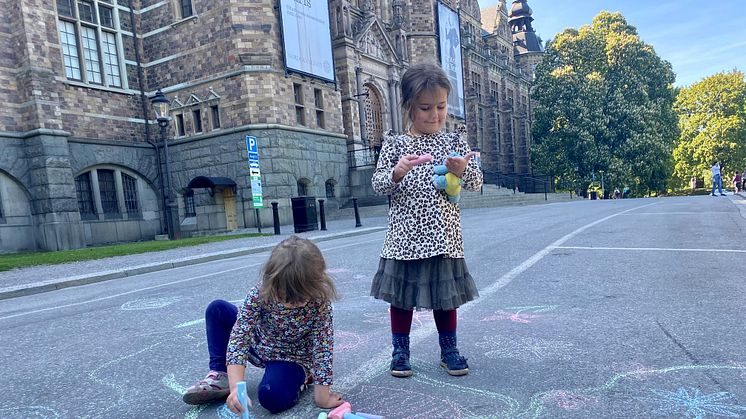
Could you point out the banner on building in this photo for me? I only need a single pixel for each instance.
(308, 41)
(449, 33)
(255, 175)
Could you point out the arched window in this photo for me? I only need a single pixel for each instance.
(303, 186)
(86, 207)
(190, 210)
(330, 188)
(118, 193)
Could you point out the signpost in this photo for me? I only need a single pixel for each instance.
(255, 177)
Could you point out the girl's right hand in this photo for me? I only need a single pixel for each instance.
(403, 167)
(234, 404)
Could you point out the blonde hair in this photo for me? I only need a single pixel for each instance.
(418, 79)
(296, 273)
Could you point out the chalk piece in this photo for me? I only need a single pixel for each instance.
(351, 416)
(368, 415)
(322, 415)
(339, 411)
(243, 398)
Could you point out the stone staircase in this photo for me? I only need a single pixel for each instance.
(490, 196)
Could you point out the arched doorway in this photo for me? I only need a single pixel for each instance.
(373, 116)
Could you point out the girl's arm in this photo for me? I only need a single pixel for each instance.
(235, 374)
(383, 177)
(323, 345)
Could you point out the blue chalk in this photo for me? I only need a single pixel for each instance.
(243, 398)
(368, 415)
(352, 416)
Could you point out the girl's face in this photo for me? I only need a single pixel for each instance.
(429, 111)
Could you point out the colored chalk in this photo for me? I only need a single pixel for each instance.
(322, 415)
(339, 411)
(421, 159)
(243, 398)
(351, 416)
(368, 415)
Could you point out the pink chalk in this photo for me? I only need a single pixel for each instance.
(339, 411)
(422, 159)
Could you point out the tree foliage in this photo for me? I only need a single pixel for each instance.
(604, 103)
(712, 120)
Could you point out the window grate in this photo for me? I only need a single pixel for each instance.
(129, 187)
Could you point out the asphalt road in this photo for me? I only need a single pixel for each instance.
(594, 309)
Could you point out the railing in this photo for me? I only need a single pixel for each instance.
(364, 157)
(525, 183)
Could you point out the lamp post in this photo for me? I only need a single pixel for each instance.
(603, 190)
(162, 113)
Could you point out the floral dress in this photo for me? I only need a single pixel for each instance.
(273, 332)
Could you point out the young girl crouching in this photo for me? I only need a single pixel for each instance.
(284, 326)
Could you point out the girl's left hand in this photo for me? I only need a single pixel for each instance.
(457, 165)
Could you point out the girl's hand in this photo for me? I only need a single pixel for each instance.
(457, 165)
(325, 398)
(234, 405)
(403, 167)
(333, 400)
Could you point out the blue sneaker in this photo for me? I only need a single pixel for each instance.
(400, 364)
(454, 363)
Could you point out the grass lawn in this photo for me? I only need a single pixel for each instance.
(25, 259)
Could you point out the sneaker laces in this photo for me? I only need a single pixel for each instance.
(400, 359)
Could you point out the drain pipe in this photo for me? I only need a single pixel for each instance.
(144, 105)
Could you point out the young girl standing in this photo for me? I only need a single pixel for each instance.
(422, 262)
(283, 326)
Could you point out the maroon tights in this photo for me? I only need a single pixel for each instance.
(401, 320)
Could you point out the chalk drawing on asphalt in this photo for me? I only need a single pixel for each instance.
(348, 341)
(29, 412)
(337, 270)
(692, 403)
(150, 303)
(519, 314)
(402, 403)
(528, 349)
(225, 413)
(568, 400)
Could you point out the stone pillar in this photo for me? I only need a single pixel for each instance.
(360, 105)
(54, 203)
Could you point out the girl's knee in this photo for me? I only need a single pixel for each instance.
(219, 307)
(281, 385)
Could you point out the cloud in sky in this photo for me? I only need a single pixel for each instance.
(698, 38)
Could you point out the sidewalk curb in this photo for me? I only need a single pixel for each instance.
(74, 281)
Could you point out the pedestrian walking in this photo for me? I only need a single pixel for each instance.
(737, 182)
(284, 326)
(422, 262)
(717, 180)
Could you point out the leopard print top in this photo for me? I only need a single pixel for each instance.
(422, 223)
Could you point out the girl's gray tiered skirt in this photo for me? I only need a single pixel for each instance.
(436, 283)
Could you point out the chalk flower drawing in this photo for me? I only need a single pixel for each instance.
(694, 404)
(519, 314)
(150, 303)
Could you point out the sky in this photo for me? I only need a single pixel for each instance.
(699, 38)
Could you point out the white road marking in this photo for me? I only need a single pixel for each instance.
(654, 249)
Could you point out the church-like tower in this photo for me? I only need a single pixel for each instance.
(526, 44)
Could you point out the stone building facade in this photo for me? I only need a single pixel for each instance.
(83, 159)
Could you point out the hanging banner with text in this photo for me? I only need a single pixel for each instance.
(306, 38)
(255, 175)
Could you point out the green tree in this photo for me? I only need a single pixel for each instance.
(604, 102)
(712, 120)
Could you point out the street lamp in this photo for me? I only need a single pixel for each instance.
(161, 106)
(603, 194)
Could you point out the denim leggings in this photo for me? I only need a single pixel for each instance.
(281, 384)
(717, 181)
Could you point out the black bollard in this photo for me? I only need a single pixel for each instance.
(276, 217)
(357, 213)
(321, 215)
